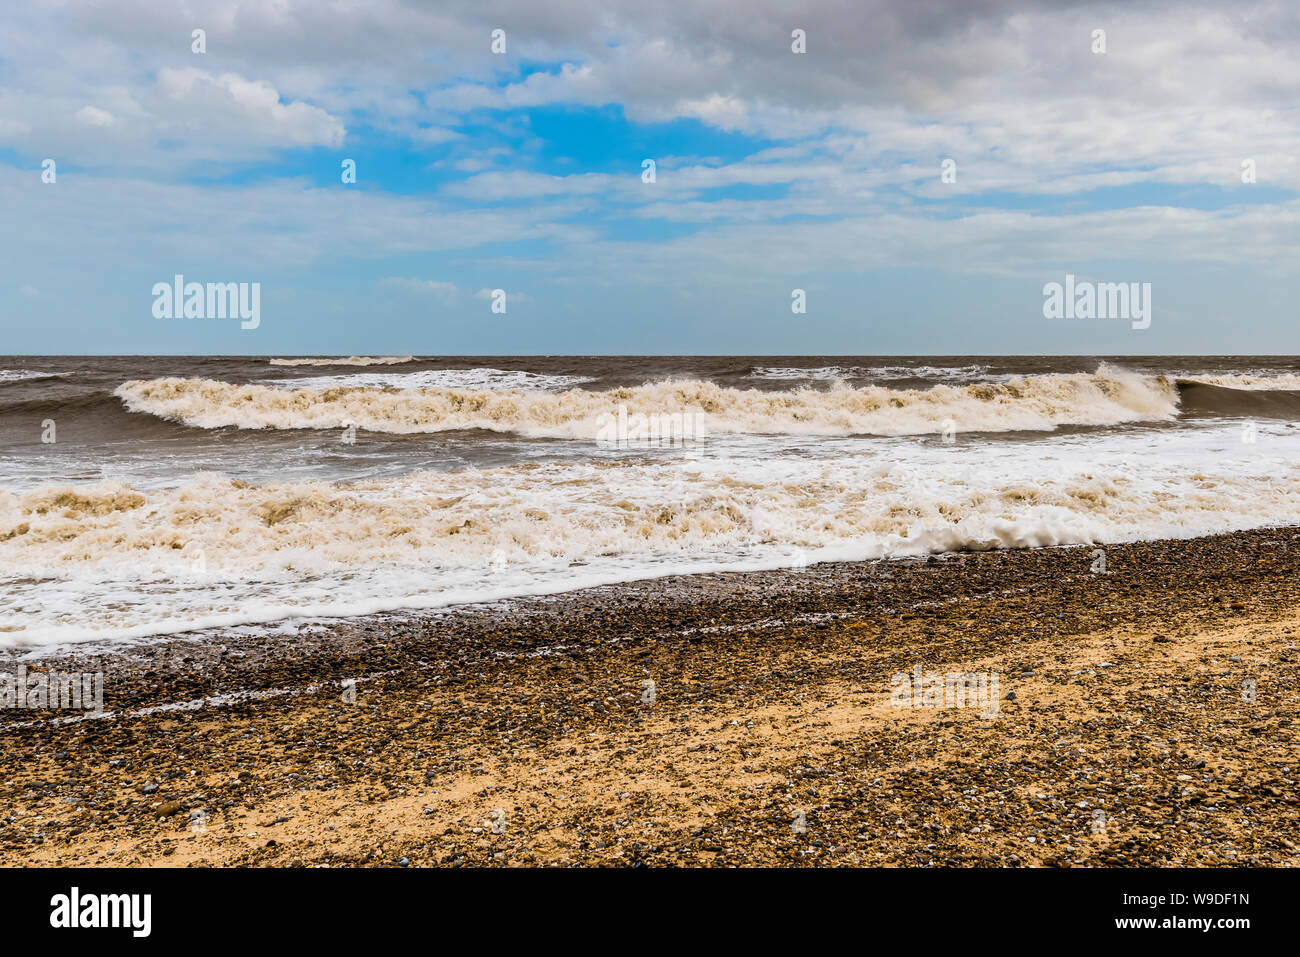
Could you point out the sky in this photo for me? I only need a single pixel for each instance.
(921, 170)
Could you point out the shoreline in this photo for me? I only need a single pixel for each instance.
(771, 705)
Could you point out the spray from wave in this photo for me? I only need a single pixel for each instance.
(1030, 403)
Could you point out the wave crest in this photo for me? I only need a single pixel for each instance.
(1031, 403)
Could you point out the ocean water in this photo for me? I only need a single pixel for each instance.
(183, 493)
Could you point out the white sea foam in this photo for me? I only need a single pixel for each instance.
(17, 375)
(111, 560)
(349, 361)
(970, 373)
(484, 379)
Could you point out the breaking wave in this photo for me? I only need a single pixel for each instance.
(1200, 398)
(112, 559)
(1030, 403)
(968, 373)
(349, 361)
(23, 375)
(1252, 382)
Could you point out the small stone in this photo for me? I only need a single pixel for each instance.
(168, 808)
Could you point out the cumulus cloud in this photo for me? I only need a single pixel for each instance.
(232, 105)
(94, 116)
(1010, 87)
(832, 159)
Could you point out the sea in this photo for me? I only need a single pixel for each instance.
(149, 496)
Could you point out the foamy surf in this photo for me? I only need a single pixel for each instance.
(112, 560)
(214, 492)
(1029, 403)
(970, 373)
(494, 380)
(22, 375)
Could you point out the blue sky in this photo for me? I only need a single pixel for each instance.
(775, 171)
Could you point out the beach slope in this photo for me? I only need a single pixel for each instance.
(1143, 716)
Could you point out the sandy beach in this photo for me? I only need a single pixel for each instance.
(1145, 716)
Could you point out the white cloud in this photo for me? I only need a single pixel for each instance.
(848, 180)
(228, 103)
(93, 116)
(1009, 88)
(442, 291)
(270, 224)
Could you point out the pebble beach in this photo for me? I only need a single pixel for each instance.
(1145, 715)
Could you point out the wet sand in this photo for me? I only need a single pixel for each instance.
(770, 737)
